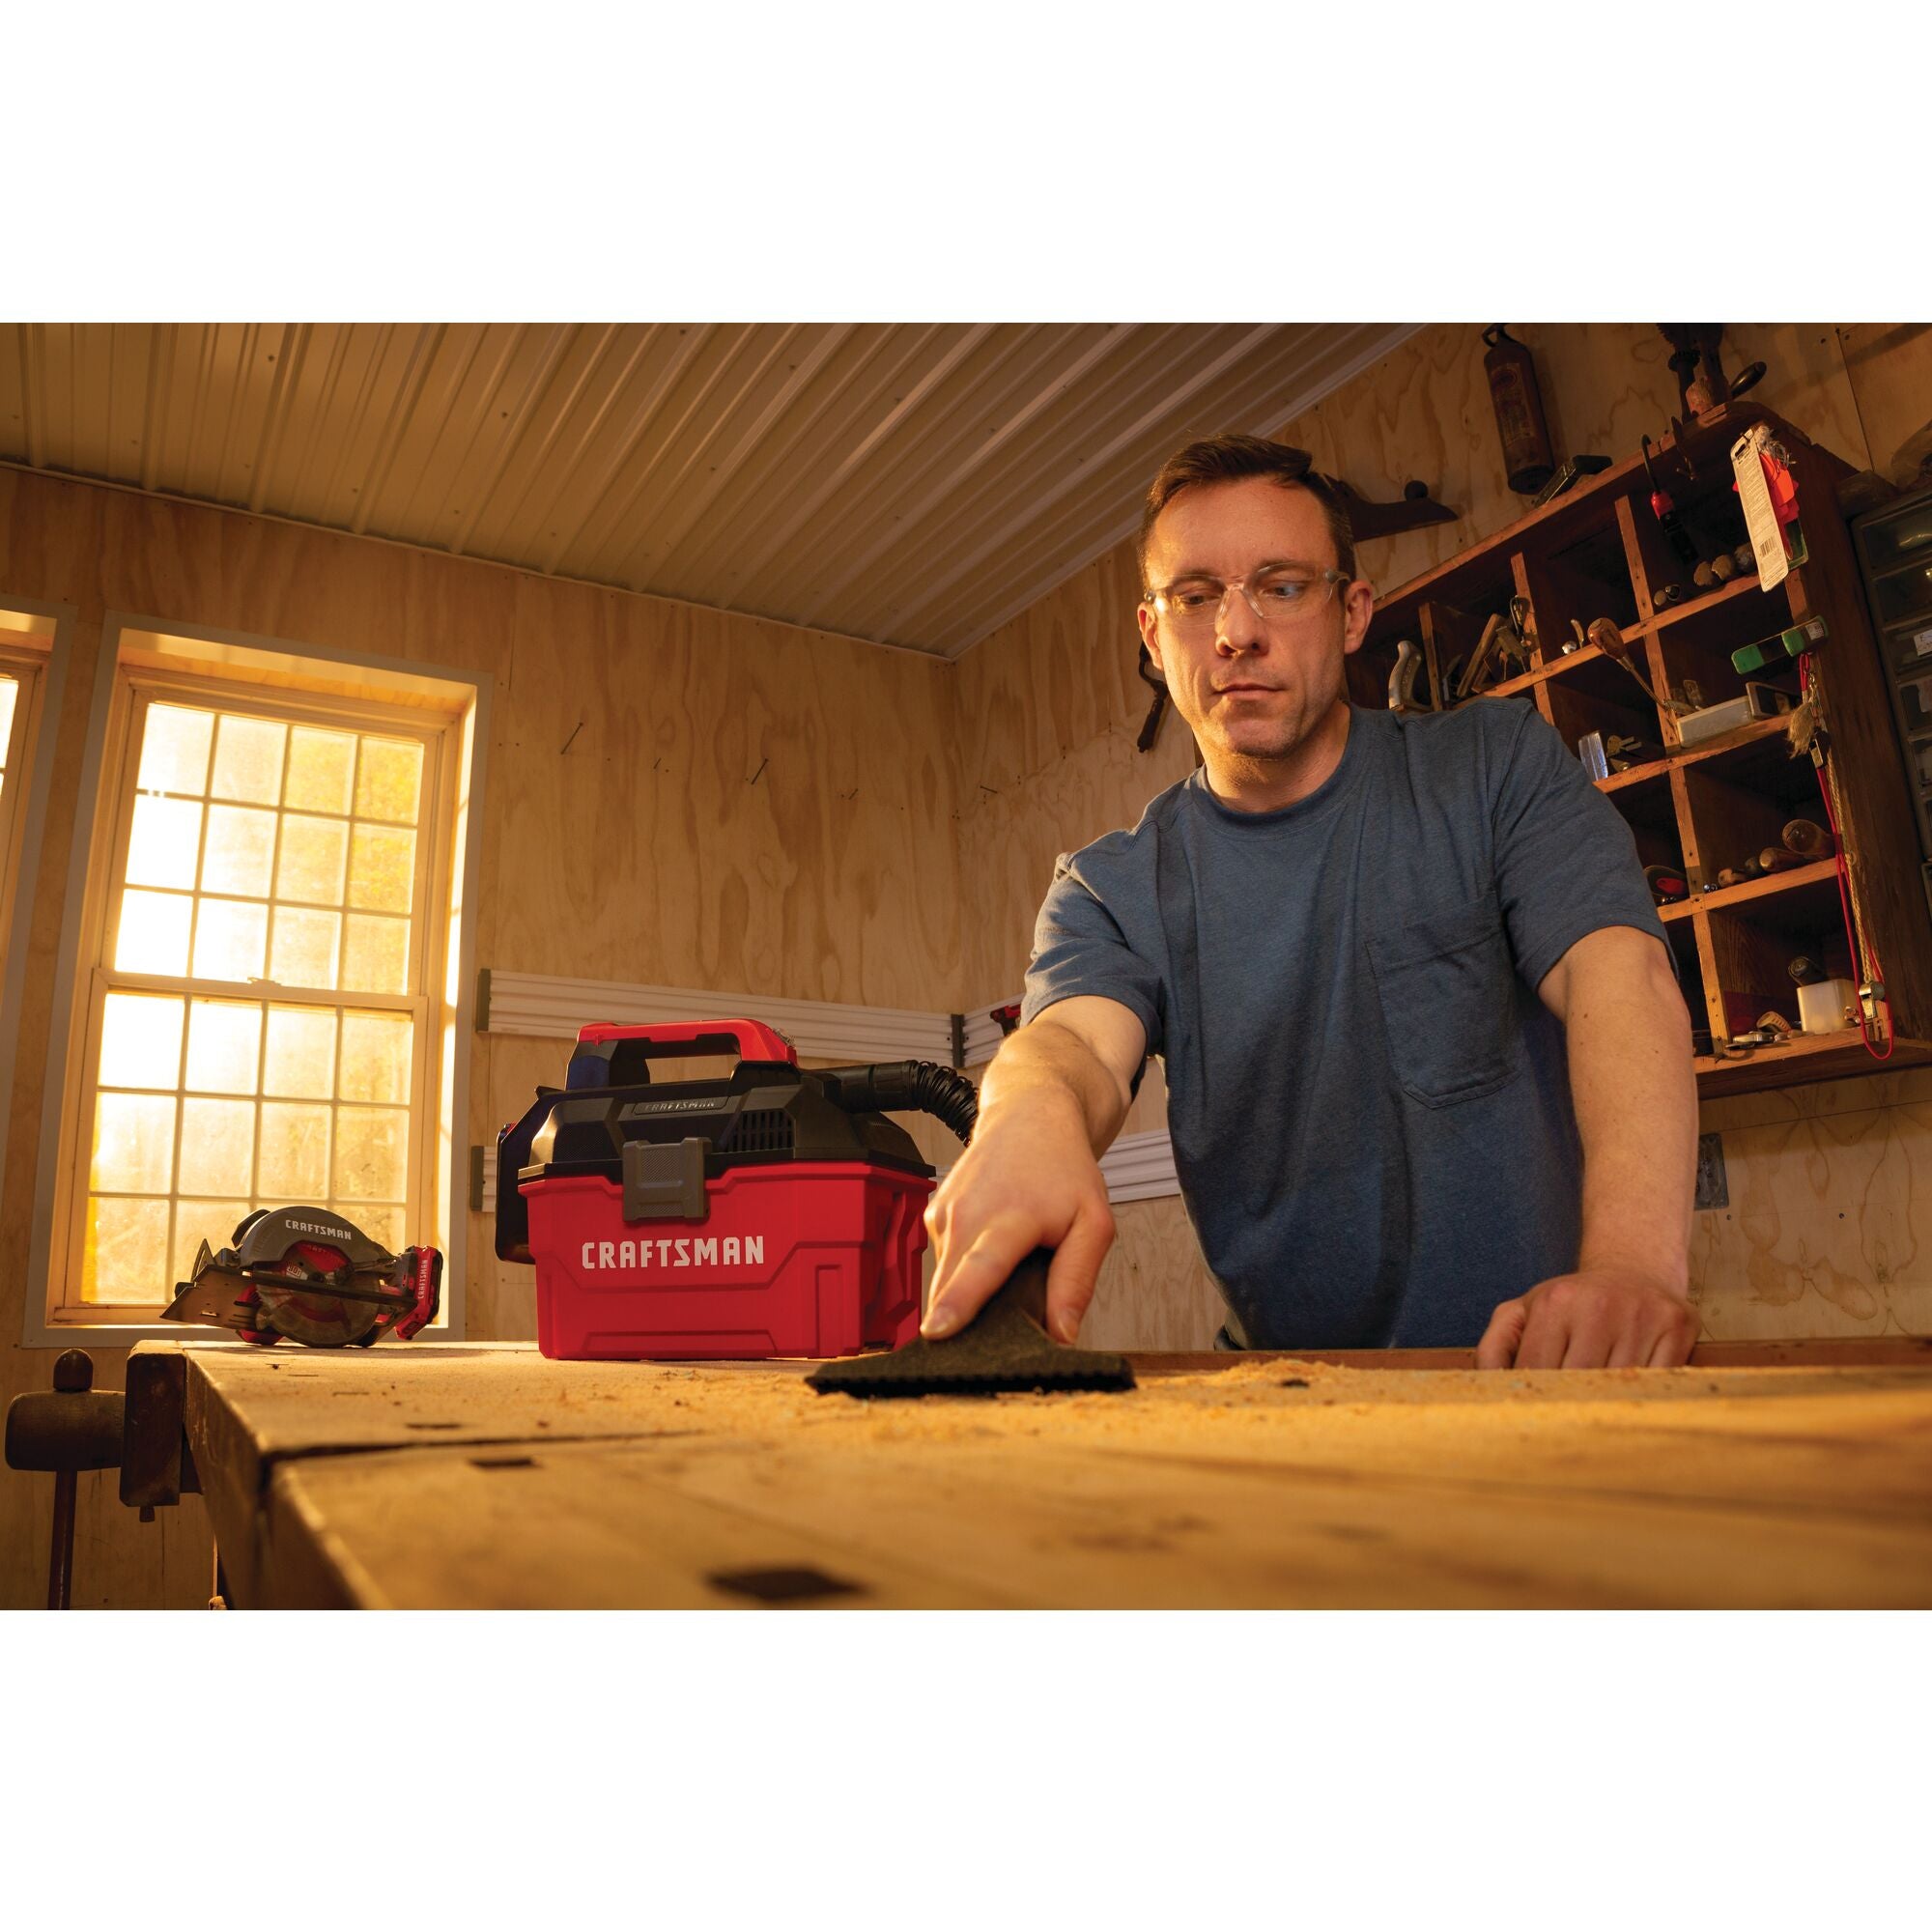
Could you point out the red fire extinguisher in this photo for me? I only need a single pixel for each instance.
(1518, 412)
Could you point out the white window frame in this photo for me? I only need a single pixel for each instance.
(25, 669)
(43, 651)
(226, 670)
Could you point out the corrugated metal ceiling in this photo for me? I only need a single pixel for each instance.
(911, 484)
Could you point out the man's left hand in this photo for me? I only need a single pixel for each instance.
(1599, 1318)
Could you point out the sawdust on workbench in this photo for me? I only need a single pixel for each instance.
(1802, 1432)
(1286, 1411)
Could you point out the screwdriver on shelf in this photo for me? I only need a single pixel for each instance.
(1666, 513)
(1608, 638)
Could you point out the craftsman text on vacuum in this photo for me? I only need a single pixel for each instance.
(714, 1252)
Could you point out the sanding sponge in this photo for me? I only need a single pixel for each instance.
(1003, 1351)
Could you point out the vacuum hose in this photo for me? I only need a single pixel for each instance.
(906, 1085)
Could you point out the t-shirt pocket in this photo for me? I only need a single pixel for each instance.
(1448, 990)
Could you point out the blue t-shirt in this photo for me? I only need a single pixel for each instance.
(1369, 1106)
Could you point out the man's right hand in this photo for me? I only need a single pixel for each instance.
(1028, 1180)
(1029, 1177)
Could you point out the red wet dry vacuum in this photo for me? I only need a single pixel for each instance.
(775, 1210)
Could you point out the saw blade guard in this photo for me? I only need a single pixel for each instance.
(308, 1274)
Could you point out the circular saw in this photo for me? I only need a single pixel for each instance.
(310, 1275)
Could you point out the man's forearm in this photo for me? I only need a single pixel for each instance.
(1046, 1067)
(1635, 1098)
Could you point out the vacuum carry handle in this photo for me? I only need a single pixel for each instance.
(750, 1040)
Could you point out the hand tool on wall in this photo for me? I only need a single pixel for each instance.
(1761, 864)
(1697, 723)
(1003, 1349)
(1518, 637)
(1006, 1017)
(1567, 477)
(1682, 337)
(308, 1274)
(1402, 679)
(1745, 380)
(1417, 510)
(1666, 513)
(1478, 661)
(1624, 753)
(1604, 634)
(1518, 408)
(1704, 389)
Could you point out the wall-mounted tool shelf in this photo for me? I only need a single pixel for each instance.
(1598, 552)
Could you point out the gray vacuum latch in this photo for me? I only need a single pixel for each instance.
(663, 1183)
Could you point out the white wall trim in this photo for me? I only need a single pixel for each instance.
(38, 1332)
(538, 1007)
(455, 1311)
(1140, 1167)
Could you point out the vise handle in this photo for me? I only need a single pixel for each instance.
(73, 1428)
(77, 1427)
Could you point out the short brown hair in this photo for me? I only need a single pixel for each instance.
(1230, 458)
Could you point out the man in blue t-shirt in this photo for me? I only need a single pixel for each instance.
(1428, 1066)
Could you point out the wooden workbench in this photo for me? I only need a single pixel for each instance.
(481, 1475)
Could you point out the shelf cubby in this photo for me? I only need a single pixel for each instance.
(1643, 799)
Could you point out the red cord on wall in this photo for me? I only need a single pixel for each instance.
(1875, 972)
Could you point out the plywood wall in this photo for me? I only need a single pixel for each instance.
(1051, 707)
(672, 796)
(1828, 1230)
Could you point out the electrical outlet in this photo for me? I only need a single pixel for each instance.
(1713, 1188)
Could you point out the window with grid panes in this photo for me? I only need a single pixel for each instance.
(259, 1030)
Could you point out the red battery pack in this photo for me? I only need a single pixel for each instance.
(804, 1258)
